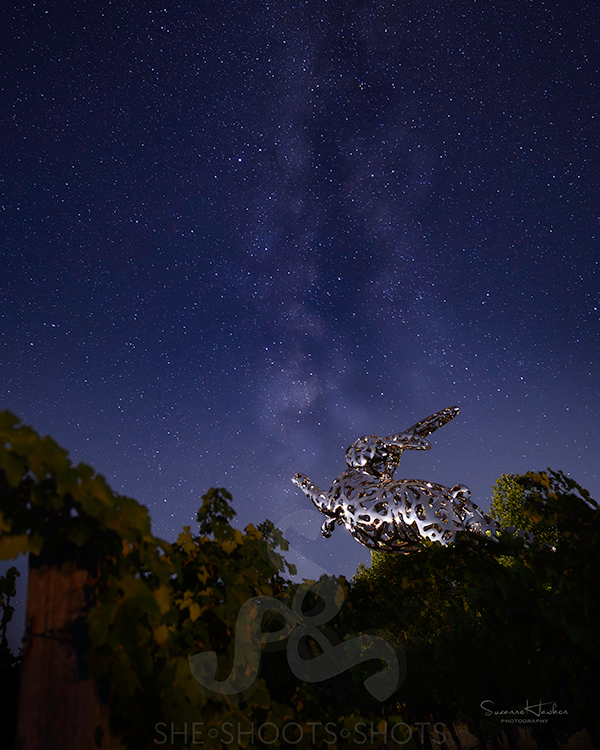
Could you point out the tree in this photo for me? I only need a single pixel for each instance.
(545, 503)
(114, 613)
(511, 508)
(471, 627)
(131, 609)
(495, 631)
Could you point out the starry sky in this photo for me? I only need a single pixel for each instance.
(236, 236)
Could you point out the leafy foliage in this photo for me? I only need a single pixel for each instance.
(153, 604)
(511, 508)
(495, 632)
(470, 627)
(147, 627)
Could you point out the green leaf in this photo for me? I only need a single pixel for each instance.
(14, 467)
(13, 546)
(185, 540)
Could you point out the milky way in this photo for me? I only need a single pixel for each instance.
(239, 235)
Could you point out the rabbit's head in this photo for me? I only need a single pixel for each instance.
(381, 456)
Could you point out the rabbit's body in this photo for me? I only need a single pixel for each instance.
(391, 515)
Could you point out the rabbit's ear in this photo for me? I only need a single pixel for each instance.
(432, 423)
(406, 442)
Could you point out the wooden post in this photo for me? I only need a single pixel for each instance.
(60, 704)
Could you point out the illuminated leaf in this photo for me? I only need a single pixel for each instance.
(195, 611)
(161, 634)
(13, 546)
(185, 540)
(163, 598)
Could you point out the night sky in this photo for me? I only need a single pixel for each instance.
(236, 236)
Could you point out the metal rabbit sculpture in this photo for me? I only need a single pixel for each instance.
(393, 515)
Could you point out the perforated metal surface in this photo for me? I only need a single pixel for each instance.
(393, 515)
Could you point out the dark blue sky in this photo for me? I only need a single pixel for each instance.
(239, 235)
